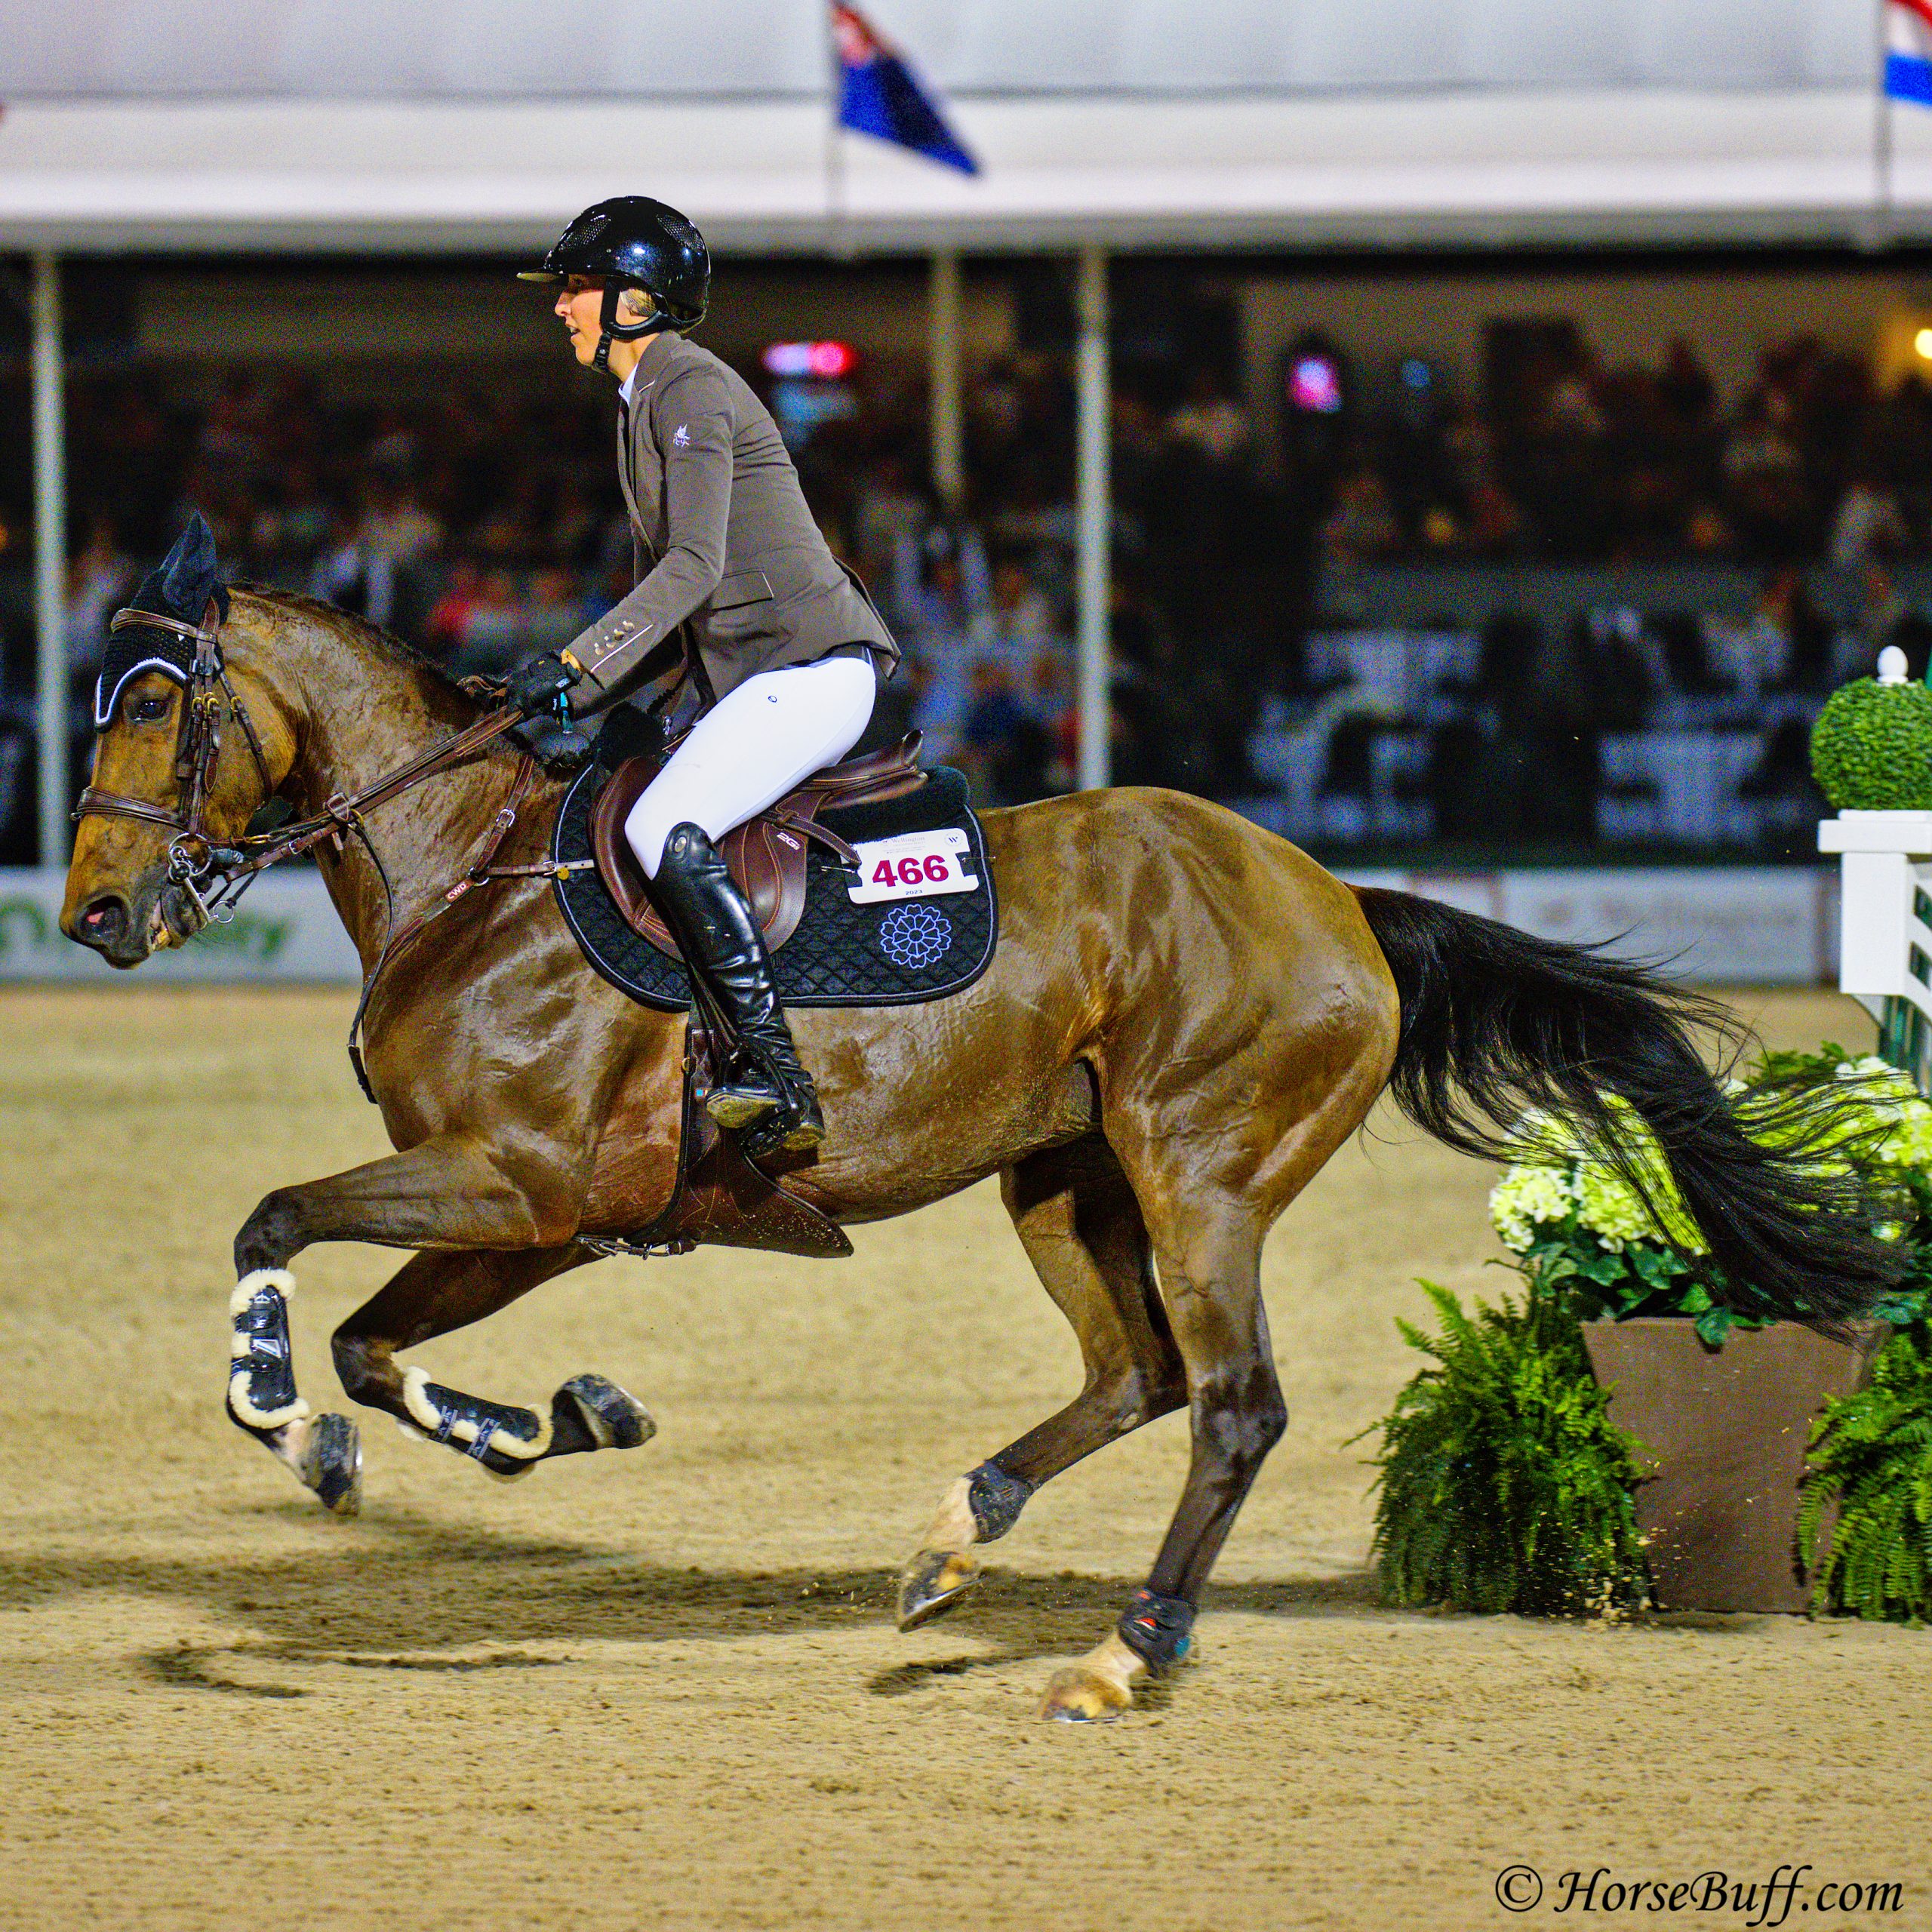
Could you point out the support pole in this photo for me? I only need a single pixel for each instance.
(943, 363)
(1880, 226)
(1093, 508)
(50, 521)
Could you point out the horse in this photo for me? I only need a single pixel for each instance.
(1184, 1017)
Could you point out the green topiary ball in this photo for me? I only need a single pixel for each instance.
(1871, 747)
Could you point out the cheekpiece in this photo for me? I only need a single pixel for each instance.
(177, 593)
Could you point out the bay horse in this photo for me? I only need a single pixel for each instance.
(1184, 1018)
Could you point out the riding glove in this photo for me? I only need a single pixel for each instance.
(537, 686)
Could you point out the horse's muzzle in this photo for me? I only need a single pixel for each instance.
(106, 925)
(127, 928)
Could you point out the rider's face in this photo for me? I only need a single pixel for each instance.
(580, 304)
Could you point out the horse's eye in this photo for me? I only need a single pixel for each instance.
(148, 710)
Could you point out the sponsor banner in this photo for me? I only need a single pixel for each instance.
(1742, 925)
(284, 930)
(1747, 925)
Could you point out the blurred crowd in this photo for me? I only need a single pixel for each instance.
(480, 520)
(484, 525)
(1570, 461)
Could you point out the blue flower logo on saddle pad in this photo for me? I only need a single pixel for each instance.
(914, 936)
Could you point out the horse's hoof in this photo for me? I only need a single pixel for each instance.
(331, 1463)
(611, 1416)
(1082, 1696)
(932, 1583)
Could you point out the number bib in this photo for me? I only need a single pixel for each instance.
(918, 864)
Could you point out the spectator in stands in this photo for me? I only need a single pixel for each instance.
(99, 577)
(1765, 476)
(1005, 747)
(555, 613)
(1686, 389)
(291, 523)
(888, 512)
(1803, 634)
(448, 622)
(939, 584)
(395, 525)
(1018, 616)
(493, 637)
(1362, 527)
(1867, 525)
(352, 576)
(577, 528)
(1210, 424)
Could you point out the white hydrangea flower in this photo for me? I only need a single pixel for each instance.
(1528, 1193)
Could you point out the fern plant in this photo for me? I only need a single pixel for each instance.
(1871, 1456)
(1503, 1484)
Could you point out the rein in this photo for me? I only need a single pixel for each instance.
(215, 876)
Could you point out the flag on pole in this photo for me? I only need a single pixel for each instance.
(879, 94)
(1908, 50)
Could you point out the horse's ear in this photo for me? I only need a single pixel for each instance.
(190, 574)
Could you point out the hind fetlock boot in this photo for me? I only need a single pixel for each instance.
(766, 1095)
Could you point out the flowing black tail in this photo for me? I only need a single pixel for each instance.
(1494, 1020)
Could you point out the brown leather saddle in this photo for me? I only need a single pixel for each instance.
(766, 856)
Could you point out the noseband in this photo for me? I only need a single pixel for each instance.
(193, 860)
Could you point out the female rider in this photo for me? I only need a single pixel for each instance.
(737, 590)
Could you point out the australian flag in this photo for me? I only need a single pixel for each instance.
(879, 95)
(1908, 50)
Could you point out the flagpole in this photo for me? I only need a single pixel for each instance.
(1881, 139)
(838, 232)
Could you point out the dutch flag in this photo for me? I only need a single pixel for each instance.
(1908, 50)
(879, 95)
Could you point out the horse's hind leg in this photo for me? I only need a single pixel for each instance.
(437, 1291)
(1082, 1229)
(1212, 1280)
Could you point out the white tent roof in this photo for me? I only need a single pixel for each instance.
(535, 49)
(420, 124)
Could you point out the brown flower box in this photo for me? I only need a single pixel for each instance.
(1726, 1431)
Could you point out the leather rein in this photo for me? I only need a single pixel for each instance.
(214, 876)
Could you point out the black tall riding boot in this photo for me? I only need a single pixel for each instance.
(768, 1093)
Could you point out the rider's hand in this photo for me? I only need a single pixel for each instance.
(535, 686)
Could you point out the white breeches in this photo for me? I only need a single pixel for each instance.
(754, 745)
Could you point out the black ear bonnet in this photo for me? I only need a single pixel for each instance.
(179, 586)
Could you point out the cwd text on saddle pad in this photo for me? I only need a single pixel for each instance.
(916, 865)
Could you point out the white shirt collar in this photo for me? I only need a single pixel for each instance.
(624, 387)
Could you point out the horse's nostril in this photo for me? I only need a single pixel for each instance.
(103, 918)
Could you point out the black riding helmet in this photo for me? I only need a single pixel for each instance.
(633, 242)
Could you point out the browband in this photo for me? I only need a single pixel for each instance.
(199, 633)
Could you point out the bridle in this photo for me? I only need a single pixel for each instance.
(215, 876)
(192, 857)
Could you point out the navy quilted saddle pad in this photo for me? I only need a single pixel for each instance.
(885, 954)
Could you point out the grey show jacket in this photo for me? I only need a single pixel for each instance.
(725, 546)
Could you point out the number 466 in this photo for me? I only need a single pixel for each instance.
(931, 870)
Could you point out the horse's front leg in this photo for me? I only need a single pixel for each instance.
(434, 1293)
(448, 1193)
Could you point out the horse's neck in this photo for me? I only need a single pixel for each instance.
(365, 715)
